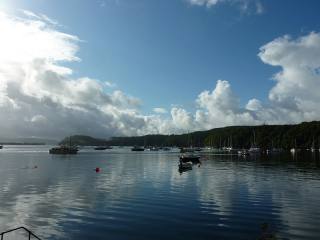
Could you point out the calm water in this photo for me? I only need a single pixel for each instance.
(143, 196)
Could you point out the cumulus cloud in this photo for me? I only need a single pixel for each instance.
(246, 6)
(296, 88)
(253, 105)
(160, 110)
(293, 99)
(39, 96)
(221, 107)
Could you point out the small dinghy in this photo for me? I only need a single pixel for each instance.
(184, 158)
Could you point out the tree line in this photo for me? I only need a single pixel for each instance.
(303, 135)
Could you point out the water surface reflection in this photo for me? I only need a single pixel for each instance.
(143, 196)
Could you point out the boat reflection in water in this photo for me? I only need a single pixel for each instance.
(186, 161)
(184, 167)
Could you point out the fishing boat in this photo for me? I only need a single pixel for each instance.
(137, 149)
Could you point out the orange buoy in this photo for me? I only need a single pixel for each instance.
(97, 169)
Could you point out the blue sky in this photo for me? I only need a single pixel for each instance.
(167, 52)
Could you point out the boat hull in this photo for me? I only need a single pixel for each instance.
(137, 149)
(102, 148)
(63, 151)
(193, 159)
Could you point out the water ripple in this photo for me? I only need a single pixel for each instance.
(143, 196)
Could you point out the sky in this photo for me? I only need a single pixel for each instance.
(133, 67)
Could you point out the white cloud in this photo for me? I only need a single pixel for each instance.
(41, 17)
(160, 110)
(245, 6)
(109, 84)
(296, 88)
(38, 118)
(207, 3)
(253, 105)
(40, 97)
(35, 89)
(182, 119)
(293, 99)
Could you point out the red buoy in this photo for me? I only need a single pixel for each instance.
(97, 169)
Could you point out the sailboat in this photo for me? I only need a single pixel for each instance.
(312, 146)
(188, 154)
(229, 148)
(294, 149)
(254, 149)
(137, 148)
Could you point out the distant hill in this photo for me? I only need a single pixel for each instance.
(26, 141)
(302, 135)
(266, 136)
(82, 140)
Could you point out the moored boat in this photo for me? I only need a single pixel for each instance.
(187, 150)
(254, 149)
(154, 149)
(243, 152)
(137, 149)
(189, 158)
(102, 148)
(64, 150)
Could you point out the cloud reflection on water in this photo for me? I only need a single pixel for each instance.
(66, 198)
